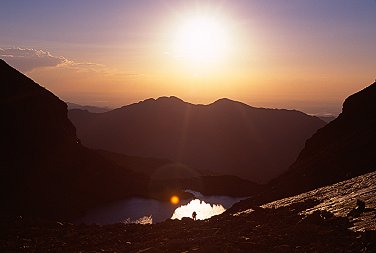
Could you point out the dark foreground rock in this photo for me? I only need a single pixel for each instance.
(262, 230)
(321, 220)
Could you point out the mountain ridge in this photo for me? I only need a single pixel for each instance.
(225, 136)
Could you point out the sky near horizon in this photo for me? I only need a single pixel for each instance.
(306, 55)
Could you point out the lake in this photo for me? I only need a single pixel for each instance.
(141, 210)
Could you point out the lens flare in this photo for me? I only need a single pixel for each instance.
(174, 200)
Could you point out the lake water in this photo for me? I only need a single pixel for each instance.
(142, 210)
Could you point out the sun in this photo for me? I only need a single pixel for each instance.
(201, 40)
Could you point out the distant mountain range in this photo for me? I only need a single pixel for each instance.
(90, 108)
(226, 137)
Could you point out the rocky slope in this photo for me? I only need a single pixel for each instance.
(338, 199)
(316, 221)
(226, 137)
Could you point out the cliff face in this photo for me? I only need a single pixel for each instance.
(31, 115)
(344, 148)
(45, 171)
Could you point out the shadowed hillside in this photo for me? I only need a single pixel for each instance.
(226, 137)
(45, 171)
(344, 148)
(165, 175)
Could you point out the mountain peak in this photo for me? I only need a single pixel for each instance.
(170, 98)
(224, 100)
(227, 101)
(162, 100)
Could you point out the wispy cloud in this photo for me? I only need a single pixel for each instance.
(29, 59)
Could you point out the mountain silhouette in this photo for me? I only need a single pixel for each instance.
(343, 149)
(90, 108)
(45, 171)
(226, 137)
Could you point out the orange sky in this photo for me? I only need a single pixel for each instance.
(307, 55)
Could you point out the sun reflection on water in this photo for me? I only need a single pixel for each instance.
(203, 210)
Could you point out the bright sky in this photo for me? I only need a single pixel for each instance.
(301, 54)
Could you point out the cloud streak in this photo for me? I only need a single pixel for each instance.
(28, 59)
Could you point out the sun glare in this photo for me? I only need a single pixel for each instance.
(201, 40)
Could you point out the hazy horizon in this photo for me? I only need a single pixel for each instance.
(303, 55)
(308, 107)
